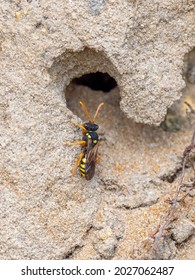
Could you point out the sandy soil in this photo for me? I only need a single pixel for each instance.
(139, 170)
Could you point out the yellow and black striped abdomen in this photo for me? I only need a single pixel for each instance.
(82, 166)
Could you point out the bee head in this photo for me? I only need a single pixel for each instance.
(91, 126)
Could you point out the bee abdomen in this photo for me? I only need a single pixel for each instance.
(82, 166)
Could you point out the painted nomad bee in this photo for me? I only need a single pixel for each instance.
(89, 143)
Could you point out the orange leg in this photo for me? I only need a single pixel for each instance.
(98, 157)
(81, 126)
(97, 160)
(82, 143)
(77, 163)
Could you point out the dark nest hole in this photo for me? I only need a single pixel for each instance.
(97, 81)
(92, 89)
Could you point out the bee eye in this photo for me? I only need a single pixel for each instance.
(95, 127)
(87, 126)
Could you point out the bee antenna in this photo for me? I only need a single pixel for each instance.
(86, 111)
(97, 111)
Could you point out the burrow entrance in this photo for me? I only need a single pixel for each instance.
(88, 76)
(96, 81)
(92, 89)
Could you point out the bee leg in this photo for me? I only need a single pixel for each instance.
(81, 126)
(82, 143)
(77, 163)
(97, 160)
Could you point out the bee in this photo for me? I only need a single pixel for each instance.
(89, 143)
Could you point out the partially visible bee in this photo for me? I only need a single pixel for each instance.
(90, 141)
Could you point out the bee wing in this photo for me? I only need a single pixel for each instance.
(91, 157)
